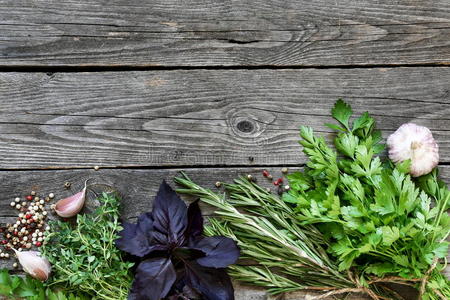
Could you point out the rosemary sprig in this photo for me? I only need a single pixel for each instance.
(267, 232)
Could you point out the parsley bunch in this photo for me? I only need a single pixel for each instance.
(84, 256)
(376, 218)
(350, 222)
(16, 287)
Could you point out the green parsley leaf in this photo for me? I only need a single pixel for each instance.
(389, 234)
(363, 121)
(342, 113)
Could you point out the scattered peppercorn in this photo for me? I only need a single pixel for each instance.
(278, 181)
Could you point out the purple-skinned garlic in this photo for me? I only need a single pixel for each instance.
(70, 206)
(414, 142)
(34, 264)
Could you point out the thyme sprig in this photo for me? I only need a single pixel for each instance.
(84, 256)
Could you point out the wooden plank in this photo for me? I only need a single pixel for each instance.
(138, 188)
(202, 117)
(223, 33)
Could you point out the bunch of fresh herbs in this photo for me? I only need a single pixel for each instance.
(350, 222)
(176, 260)
(268, 232)
(376, 218)
(17, 287)
(84, 257)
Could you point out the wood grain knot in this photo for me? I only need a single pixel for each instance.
(245, 126)
(248, 124)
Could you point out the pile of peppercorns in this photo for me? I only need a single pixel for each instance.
(30, 228)
(278, 182)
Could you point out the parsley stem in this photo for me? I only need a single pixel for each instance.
(441, 211)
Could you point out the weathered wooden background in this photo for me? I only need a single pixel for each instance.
(145, 88)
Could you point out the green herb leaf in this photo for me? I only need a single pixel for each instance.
(342, 113)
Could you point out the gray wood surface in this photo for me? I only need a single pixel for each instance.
(215, 87)
(202, 117)
(223, 32)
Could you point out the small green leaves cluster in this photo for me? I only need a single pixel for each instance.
(374, 216)
(84, 257)
(17, 287)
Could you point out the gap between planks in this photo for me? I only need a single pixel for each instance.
(143, 67)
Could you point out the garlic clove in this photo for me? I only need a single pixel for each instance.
(70, 206)
(34, 264)
(414, 142)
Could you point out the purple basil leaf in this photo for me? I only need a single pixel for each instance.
(183, 292)
(133, 240)
(145, 223)
(213, 284)
(220, 251)
(138, 239)
(169, 216)
(153, 280)
(195, 221)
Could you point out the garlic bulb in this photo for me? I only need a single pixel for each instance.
(34, 264)
(414, 142)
